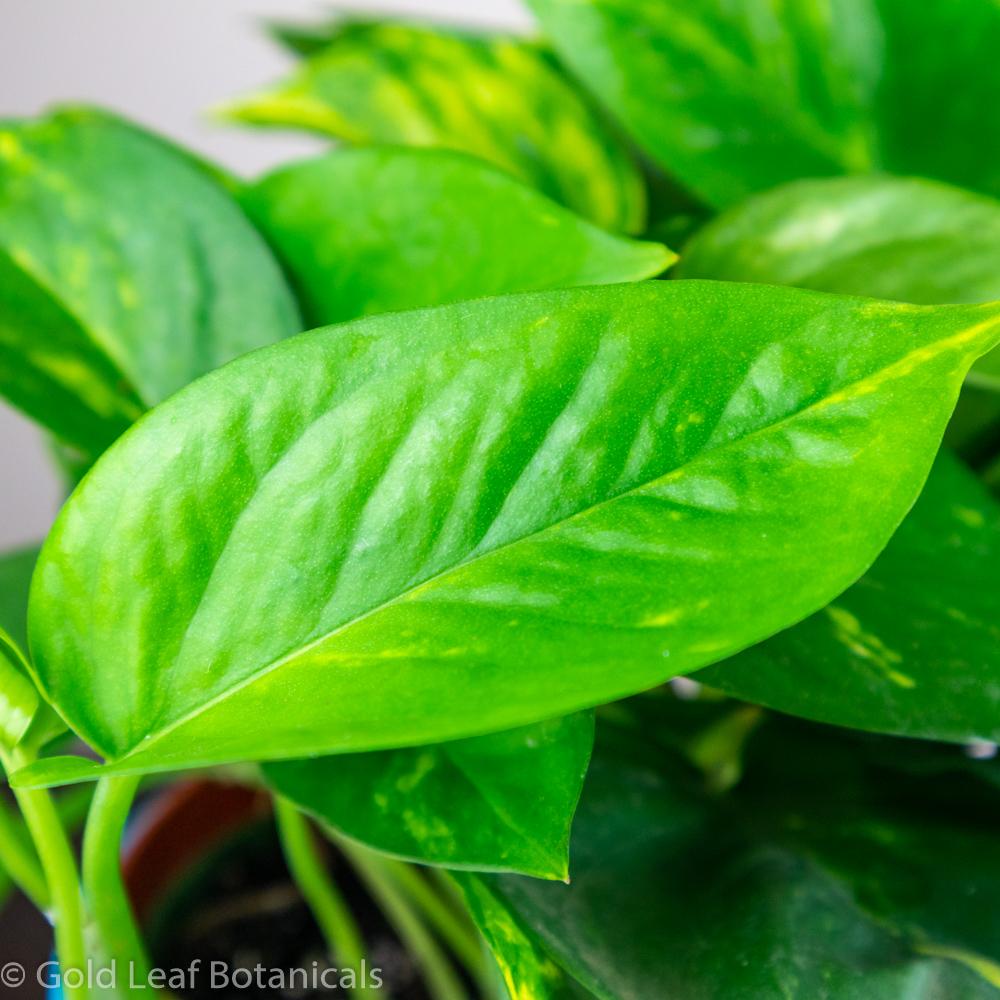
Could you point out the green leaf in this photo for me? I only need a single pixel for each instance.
(527, 970)
(126, 271)
(501, 99)
(736, 98)
(912, 647)
(888, 237)
(18, 698)
(777, 889)
(15, 579)
(730, 98)
(406, 529)
(375, 230)
(23, 714)
(502, 802)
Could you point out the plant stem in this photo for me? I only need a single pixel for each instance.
(309, 871)
(455, 931)
(19, 860)
(441, 980)
(59, 867)
(103, 886)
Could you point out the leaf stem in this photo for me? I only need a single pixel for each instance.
(456, 932)
(441, 979)
(59, 867)
(103, 885)
(309, 871)
(19, 860)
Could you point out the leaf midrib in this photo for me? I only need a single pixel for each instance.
(842, 394)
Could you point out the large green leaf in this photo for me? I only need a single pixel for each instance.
(912, 647)
(888, 237)
(736, 98)
(375, 230)
(778, 889)
(126, 271)
(502, 802)
(498, 98)
(430, 525)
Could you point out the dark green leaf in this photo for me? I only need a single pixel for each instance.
(126, 270)
(499, 98)
(408, 529)
(912, 648)
(502, 802)
(375, 230)
(735, 98)
(887, 237)
(779, 889)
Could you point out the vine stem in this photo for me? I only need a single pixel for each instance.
(457, 933)
(309, 871)
(20, 863)
(104, 887)
(59, 867)
(442, 981)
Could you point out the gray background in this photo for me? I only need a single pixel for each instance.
(161, 62)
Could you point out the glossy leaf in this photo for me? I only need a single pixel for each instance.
(737, 98)
(502, 802)
(501, 99)
(126, 271)
(888, 237)
(375, 230)
(777, 889)
(406, 529)
(909, 649)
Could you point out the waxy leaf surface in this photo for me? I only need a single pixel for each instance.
(912, 647)
(896, 238)
(374, 230)
(501, 99)
(734, 98)
(126, 271)
(502, 802)
(430, 525)
(776, 889)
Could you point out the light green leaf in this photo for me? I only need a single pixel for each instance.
(18, 697)
(888, 237)
(126, 271)
(912, 648)
(734, 98)
(499, 98)
(406, 529)
(776, 889)
(502, 802)
(375, 230)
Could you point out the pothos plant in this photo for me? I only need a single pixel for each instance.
(397, 561)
